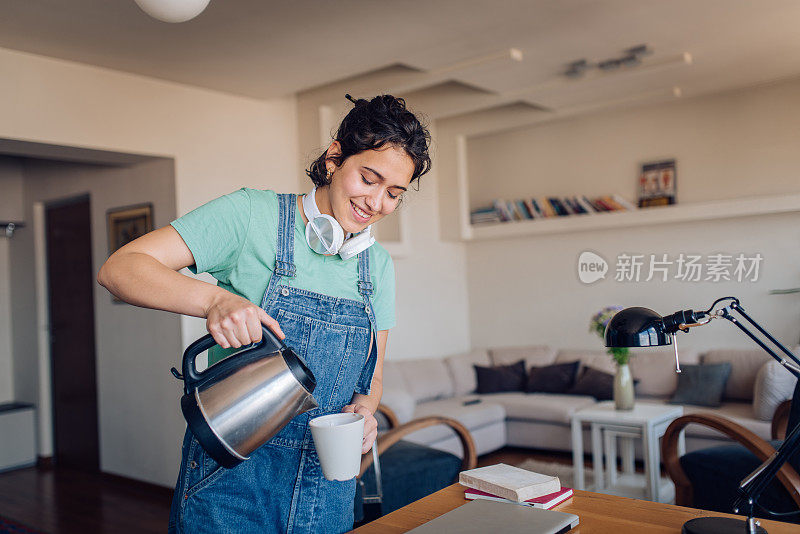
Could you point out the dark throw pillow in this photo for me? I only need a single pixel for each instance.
(500, 378)
(702, 385)
(557, 378)
(595, 383)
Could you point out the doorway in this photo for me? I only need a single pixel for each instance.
(70, 277)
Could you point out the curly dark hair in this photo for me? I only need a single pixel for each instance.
(372, 124)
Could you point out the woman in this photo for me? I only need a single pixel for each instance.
(334, 312)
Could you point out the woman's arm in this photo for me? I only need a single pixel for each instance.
(145, 273)
(368, 404)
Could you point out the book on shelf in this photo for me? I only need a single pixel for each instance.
(545, 502)
(484, 215)
(544, 207)
(530, 204)
(615, 206)
(584, 202)
(502, 210)
(624, 203)
(509, 482)
(547, 208)
(537, 208)
(523, 209)
(558, 206)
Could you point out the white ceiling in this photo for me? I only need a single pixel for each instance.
(265, 49)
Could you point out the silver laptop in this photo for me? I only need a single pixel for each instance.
(481, 516)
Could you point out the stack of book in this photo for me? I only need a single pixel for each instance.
(484, 215)
(506, 483)
(544, 207)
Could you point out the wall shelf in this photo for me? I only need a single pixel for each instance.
(700, 211)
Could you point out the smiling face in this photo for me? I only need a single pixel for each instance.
(366, 187)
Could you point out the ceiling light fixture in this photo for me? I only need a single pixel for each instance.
(172, 10)
(631, 57)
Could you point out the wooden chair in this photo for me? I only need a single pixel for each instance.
(684, 491)
(397, 432)
(402, 461)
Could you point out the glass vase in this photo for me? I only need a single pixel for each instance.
(623, 388)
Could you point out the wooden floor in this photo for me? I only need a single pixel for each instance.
(61, 501)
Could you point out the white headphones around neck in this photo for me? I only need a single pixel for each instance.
(325, 235)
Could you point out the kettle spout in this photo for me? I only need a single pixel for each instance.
(309, 403)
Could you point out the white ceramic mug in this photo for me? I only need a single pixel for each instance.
(338, 438)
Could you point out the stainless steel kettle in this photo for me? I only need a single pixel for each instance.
(238, 404)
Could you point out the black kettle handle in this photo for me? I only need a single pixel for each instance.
(191, 376)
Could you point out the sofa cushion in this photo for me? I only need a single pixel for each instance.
(392, 377)
(702, 385)
(556, 378)
(462, 371)
(655, 370)
(472, 416)
(532, 355)
(426, 379)
(500, 378)
(401, 403)
(774, 384)
(599, 359)
(553, 408)
(738, 412)
(745, 365)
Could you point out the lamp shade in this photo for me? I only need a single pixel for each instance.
(172, 10)
(636, 327)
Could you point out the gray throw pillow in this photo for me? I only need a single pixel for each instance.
(702, 385)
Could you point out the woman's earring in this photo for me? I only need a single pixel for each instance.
(328, 176)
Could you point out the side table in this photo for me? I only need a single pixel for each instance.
(648, 422)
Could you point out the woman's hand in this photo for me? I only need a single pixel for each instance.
(234, 321)
(370, 425)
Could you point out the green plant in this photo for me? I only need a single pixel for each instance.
(598, 325)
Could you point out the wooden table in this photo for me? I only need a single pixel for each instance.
(599, 514)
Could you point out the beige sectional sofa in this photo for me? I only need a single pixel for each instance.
(418, 388)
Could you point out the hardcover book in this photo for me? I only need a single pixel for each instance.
(510, 482)
(545, 502)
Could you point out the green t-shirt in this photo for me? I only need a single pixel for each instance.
(234, 238)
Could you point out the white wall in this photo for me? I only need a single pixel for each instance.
(135, 392)
(732, 145)
(219, 143)
(432, 307)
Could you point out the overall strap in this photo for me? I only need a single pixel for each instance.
(284, 253)
(364, 281)
(365, 287)
(284, 248)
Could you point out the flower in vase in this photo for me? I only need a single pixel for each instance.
(598, 325)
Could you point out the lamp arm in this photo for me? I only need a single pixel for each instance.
(791, 366)
(751, 487)
(754, 484)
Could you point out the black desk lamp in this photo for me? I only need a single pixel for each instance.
(642, 327)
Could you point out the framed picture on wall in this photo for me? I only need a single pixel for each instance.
(657, 184)
(127, 223)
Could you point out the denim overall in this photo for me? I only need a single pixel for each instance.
(281, 487)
